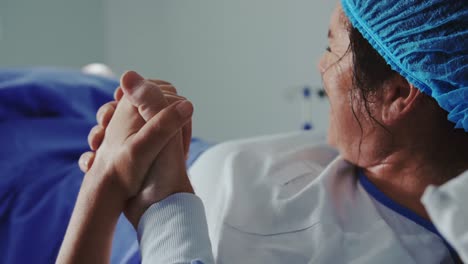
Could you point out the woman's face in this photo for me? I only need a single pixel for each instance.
(335, 66)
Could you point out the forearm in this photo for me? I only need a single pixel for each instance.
(89, 234)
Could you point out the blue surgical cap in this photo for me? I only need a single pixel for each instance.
(423, 40)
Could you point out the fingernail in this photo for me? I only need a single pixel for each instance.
(185, 108)
(84, 161)
(132, 79)
(99, 117)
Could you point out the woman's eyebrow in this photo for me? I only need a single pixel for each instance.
(330, 35)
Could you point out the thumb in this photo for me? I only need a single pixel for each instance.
(143, 94)
(160, 129)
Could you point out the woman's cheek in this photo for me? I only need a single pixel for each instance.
(321, 66)
(331, 133)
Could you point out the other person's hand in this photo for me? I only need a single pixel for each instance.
(141, 152)
(106, 111)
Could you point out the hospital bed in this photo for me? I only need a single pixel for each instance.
(45, 116)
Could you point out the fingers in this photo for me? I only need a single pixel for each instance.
(118, 93)
(172, 98)
(95, 137)
(148, 100)
(159, 82)
(187, 137)
(166, 87)
(105, 113)
(155, 134)
(103, 116)
(163, 85)
(169, 91)
(86, 161)
(143, 94)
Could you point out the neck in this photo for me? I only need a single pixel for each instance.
(404, 173)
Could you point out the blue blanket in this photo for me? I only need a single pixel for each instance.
(45, 116)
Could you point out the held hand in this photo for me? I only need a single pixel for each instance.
(167, 174)
(130, 170)
(106, 111)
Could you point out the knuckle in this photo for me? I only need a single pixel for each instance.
(117, 90)
(92, 132)
(112, 105)
(160, 82)
(149, 91)
(171, 99)
(144, 110)
(160, 130)
(81, 161)
(99, 114)
(107, 116)
(169, 89)
(94, 135)
(149, 84)
(157, 127)
(84, 161)
(104, 106)
(174, 97)
(173, 89)
(166, 124)
(103, 110)
(129, 154)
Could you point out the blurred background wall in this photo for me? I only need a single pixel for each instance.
(51, 32)
(242, 63)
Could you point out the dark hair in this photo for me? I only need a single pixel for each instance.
(371, 71)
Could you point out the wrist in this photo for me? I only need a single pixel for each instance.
(101, 183)
(89, 234)
(137, 206)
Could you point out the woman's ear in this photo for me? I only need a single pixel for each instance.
(399, 98)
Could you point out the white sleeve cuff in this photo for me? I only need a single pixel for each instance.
(174, 230)
(447, 205)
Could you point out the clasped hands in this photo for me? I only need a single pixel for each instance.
(140, 145)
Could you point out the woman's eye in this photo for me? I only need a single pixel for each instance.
(328, 49)
(322, 93)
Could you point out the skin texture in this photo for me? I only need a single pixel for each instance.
(139, 162)
(416, 148)
(106, 111)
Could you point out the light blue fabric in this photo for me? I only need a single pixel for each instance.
(426, 41)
